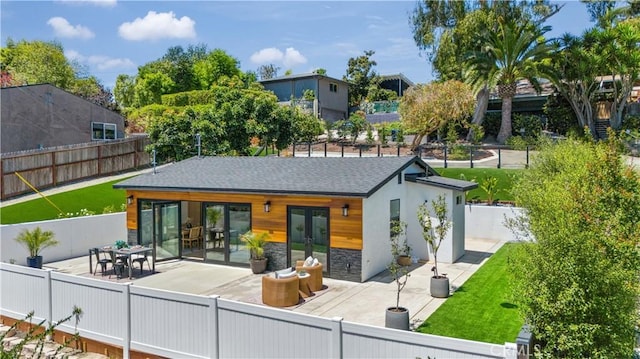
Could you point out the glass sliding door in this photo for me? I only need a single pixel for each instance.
(159, 228)
(308, 234)
(224, 224)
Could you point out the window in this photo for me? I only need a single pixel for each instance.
(103, 131)
(394, 213)
(333, 87)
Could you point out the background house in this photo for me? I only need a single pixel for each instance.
(336, 209)
(387, 111)
(331, 96)
(41, 116)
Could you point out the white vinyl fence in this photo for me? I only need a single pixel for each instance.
(181, 325)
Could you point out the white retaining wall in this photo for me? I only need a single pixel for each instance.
(75, 236)
(488, 222)
(182, 325)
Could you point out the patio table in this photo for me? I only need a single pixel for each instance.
(129, 252)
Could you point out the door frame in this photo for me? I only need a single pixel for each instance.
(154, 203)
(308, 219)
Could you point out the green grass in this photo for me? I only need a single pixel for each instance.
(93, 198)
(480, 310)
(505, 180)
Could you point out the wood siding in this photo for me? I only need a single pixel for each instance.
(345, 232)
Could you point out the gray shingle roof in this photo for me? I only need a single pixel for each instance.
(340, 176)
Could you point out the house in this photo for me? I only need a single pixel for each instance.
(41, 116)
(331, 96)
(397, 83)
(387, 111)
(336, 209)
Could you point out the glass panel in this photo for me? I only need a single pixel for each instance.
(239, 223)
(215, 232)
(297, 234)
(97, 131)
(167, 230)
(146, 223)
(320, 236)
(109, 131)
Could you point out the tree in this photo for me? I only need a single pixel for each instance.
(576, 279)
(267, 72)
(516, 51)
(360, 75)
(427, 108)
(37, 62)
(214, 66)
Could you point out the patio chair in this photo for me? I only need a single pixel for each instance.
(102, 261)
(315, 282)
(194, 236)
(117, 264)
(141, 258)
(280, 292)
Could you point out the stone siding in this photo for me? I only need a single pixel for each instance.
(345, 264)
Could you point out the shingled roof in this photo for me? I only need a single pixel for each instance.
(339, 176)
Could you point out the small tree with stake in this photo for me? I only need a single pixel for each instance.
(398, 317)
(434, 236)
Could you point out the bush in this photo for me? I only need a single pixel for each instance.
(532, 125)
(560, 116)
(517, 143)
(491, 123)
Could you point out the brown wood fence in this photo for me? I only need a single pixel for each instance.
(59, 165)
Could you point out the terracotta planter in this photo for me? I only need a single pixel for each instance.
(404, 260)
(258, 265)
(439, 287)
(397, 318)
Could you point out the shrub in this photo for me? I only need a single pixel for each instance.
(491, 123)
(559, 114)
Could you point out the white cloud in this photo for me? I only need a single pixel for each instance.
(62, 27)
(291, 57)
(266, 56)
(100, 63)
(103, 3)
(156, 26)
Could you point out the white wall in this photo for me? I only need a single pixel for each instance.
(75, 236)
(376, 248)
(488, 222)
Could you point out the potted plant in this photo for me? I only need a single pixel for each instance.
(397, 317)
(434, 236)
(213, 215)
(399, 245)
(36, 240)
(255, 244)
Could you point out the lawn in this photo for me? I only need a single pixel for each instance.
(505, 179)
(481, 309)
(94, 198)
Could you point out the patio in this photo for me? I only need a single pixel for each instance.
(340, 298)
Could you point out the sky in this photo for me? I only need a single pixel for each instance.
(111, 37)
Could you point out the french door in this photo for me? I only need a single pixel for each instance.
(308, 234)
(159, 228)
(224, 223)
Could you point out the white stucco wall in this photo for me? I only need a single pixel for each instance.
(488, 222)
(376, 249)
(75, 236)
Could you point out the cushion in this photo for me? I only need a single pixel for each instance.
(315, 262)
(288, 275)
(279, 273)
(308, 262)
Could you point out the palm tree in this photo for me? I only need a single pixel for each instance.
(515, 51)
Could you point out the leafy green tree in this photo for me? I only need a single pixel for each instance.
(428, 108)
(515, 51)
(179, 65)
(576, 278)
(305, 126)
(214, 66)
(124, 91)
(360, 75)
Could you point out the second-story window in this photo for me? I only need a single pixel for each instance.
(333, 87)
(103, 131)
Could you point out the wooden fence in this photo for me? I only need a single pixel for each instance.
(59, 165)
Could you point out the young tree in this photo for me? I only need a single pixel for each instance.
(267, 72)
(515, 51)
(576, 280)
(427, 108)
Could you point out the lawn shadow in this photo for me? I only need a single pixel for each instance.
(508, 305)
(474, 257)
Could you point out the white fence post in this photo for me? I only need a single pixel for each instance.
(336, 338)
(212, 330)
(126, 340)
(47, 283)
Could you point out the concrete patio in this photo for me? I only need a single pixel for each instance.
(356, 302)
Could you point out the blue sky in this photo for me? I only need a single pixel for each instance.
(111, 37)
